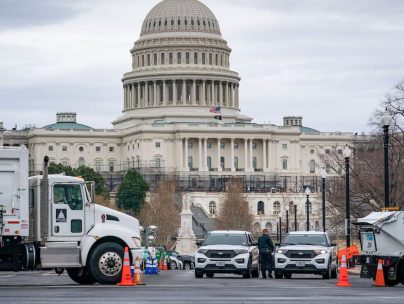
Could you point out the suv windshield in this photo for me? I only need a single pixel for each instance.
(305, 239)
(226, 239)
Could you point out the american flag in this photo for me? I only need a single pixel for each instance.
(215, 110)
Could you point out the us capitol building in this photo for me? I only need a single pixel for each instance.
(180, 74)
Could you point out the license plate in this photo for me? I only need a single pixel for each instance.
(220, 264)
(300, 264)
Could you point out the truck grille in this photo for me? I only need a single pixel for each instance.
(220, 254)
(300, 254)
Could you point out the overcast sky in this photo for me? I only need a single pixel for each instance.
(330, 61)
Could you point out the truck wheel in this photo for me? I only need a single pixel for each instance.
(106, 262)
(80, 275)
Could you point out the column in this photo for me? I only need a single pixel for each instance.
(226, 94)
(251, 156)
(164, 93)
(219, 168)
(237, 97)
(132, 96)
(125, 102)
(184, 91)
(220, 93)
(232, 155)
(174, 92)
(139, 88)
(264, 155)
(181, 163)
(245, 155)
(203, 95)
(155, 93)
(146, 94)
(205, 148)
(186, 155)
(193, 96)
(200, 153)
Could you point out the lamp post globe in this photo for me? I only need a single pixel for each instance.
(323, 177)
(386, 122)
(347, 154)
(307, 192)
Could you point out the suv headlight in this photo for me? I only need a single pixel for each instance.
(240, 251)
(282, 251)
(320, 251)
(203, 251)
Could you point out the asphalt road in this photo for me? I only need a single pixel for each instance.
(182, 287)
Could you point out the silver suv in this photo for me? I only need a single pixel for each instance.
(306, 252)
(225, 251)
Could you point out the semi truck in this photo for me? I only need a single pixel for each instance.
(382, 238)
(50, 221)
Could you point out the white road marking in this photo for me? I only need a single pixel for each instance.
(7, 276)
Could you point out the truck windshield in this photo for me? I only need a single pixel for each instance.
(226, 239)
(305, 239)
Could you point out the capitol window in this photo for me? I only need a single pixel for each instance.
(284, 146)
(222, 145)
(189, 145)
(187, 58)
(212, 208)
(162, 58)
(235, 145)
(254, 145)
(179, 21)
(284, 164)
(170, 58)
(178, 58)
(155, 59)
(148, 59)
(157, 144)
(97, 149)
(111, 149)
(210, 59)
(312, 166)
(64, 148)
(276, 208)
(50, 148)
(209, 145)
(81, 149)
(203, 58)
(185, 21)
(195, 58)
(216, 60)
(165, 22)
(327, 151)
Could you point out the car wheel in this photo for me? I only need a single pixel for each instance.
(198, 274)
(210, 274)
(287, 275)
(105, 263)
(278, 275)
(327, 275)
(248, 273)
(187, 266)
(334, 272)
(173, 265)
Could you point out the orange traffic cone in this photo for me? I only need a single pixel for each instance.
(343, 274)
(126, 279)
(165, 264)
(137, 277)
(161, 263)
(379, 281)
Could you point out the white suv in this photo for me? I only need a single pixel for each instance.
(226, 251)
(306, 252)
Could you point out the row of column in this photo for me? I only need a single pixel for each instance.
(183, 153)
(173, 92)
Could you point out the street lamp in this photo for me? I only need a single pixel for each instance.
(307, 191)
(280, 229)
(386, 122)
(295, 211)
(323, 177)
(287, 218)
(148, 233)
(347, 154)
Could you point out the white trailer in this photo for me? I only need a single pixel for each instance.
(382, 237)
(51, 221)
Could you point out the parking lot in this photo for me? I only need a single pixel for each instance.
(181, 286)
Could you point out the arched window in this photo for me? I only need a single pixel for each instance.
(155, 59)
(268, 226)
(260, 208)
(195, 58)
(276, 208)
(82, 162)
(187, 58)
(209, 161)
(162, 58)
(212, 208)
(257, 228)
(170, 58)
(312, 166)
(178, 58)
(98, 165)
(236, 162)
(203, 58)
(111, 165)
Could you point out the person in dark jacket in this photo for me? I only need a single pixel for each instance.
(265, 247)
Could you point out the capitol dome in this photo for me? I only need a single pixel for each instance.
(180, 16)
(180, 68)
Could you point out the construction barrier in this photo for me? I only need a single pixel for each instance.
(349, 252)
(343, 279)
(126, 279)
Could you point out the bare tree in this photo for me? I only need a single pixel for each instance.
(162, 211)
(234, 213)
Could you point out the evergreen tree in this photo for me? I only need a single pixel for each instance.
(132, 192)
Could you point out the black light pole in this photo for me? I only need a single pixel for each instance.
(295, 210)
(307, 191)
(386, 121)
(347, 154)
(277, 232)
(280, 229)
(323, 176)
(287, 219)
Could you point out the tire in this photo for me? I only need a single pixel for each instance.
(210, 274)
(287, 275)
(334, 272)
(198, 274)
(328, 275)
(173, 265)
(278, 275)
(187, 266)
(105, 264)
(80, 275)
(255, 273)
(248, 274)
